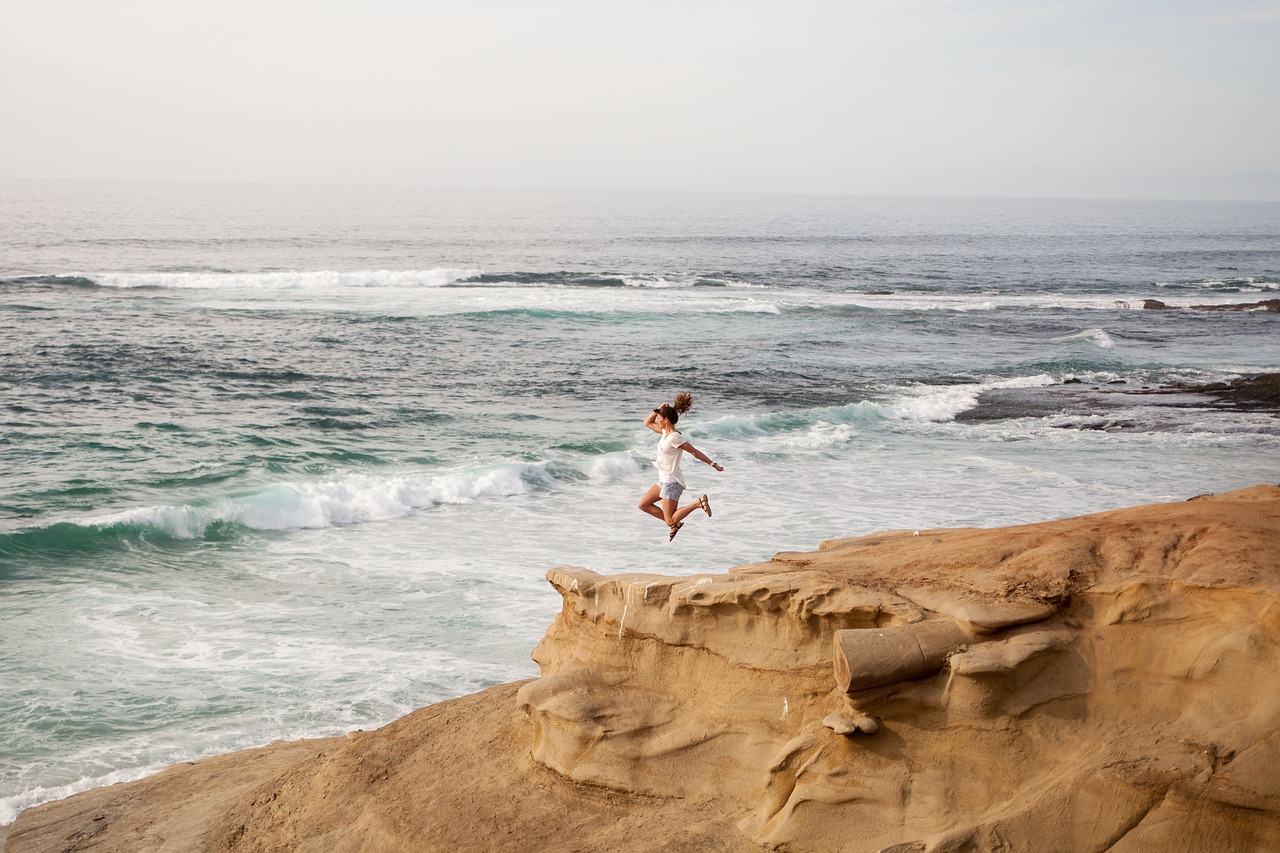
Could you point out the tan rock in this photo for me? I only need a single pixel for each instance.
(1114, 690)
(874, 657)
(979, 614)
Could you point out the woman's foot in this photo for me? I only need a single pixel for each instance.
(705, 503)
(675, 528)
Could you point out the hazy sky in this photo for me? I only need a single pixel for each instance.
(1036, 98)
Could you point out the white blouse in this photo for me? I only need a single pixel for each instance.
(670, 449)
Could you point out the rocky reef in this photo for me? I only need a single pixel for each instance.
(1256, 393)
(1096, 683)
(1267, 305)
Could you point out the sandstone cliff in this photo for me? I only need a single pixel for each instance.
(1098, 683)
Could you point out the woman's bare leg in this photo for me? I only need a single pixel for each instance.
(649, 504)
(674, 514)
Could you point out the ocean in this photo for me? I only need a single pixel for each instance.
(284, 462)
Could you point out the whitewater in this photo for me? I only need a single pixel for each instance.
(288, 462)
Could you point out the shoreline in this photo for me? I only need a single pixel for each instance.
(710, 708)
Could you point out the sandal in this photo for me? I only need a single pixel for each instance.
(705, 503)
(675, 528)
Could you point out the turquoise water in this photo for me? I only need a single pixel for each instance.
(284, 462)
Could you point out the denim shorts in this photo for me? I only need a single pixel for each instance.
(670, 490)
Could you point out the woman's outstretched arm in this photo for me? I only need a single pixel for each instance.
(700, 456)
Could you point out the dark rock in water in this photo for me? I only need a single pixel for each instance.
(1107, 407)
(1253, 392)
(1105, 426)
(1271, 306)
(1003, 404)
(1268, 305)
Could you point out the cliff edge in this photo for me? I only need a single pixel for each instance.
(1096, 683)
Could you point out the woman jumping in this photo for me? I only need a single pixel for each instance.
(670, 483)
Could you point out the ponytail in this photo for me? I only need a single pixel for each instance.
(673, 411)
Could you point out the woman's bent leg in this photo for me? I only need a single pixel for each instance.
(649, 503)
(670, 509)
(679, 515)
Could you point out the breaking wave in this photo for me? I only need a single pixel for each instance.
(354, 499)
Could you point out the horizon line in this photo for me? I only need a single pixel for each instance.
(408, 185)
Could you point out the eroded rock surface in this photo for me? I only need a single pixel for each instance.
(1077, 685)
(1098, 683)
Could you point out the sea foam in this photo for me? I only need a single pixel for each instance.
(944, 402)
(11, 807)
(291, 280)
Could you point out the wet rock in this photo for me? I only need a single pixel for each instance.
(1268, 305)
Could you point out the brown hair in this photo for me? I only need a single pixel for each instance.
(673, 411)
